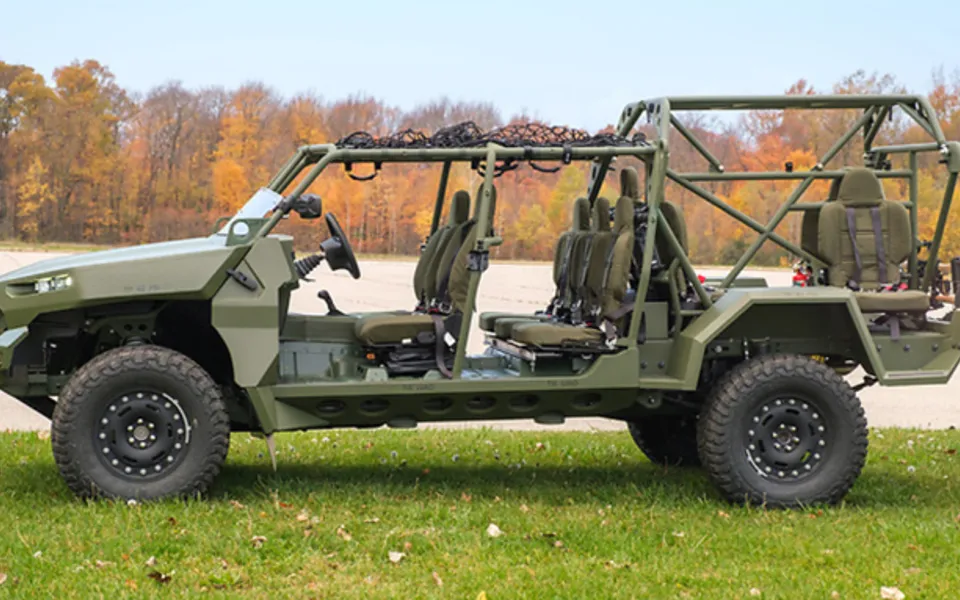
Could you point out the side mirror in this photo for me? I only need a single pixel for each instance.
(308, 206)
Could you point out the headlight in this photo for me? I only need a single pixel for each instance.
(52, 284)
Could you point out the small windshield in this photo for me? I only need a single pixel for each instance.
(256, 207)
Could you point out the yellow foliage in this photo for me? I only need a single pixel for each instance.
(230, 185)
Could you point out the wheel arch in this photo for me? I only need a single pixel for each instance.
(822, 321)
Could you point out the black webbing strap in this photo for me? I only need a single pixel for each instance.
(852, 230)
(881, 250)
(439, 348)
(443, 290)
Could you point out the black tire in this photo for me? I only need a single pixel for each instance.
(783, 431)
(668, 440)
(116, 427)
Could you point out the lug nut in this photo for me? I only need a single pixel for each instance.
(106, 450)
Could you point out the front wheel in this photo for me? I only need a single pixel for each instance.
(140, 422)
(783, 431)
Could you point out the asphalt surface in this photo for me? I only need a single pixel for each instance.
(522, 288)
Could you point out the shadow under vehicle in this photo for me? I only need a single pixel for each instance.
(147, 358)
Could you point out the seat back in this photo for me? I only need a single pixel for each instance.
(452, 286)
(862, 236)
(425, 274)
(568, 256)
(617, 276)
(594, 247)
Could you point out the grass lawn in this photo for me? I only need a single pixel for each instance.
(582, 515)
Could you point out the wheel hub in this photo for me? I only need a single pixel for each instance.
(142, 434)
(786, 439)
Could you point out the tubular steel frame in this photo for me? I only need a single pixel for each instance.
(662, 115)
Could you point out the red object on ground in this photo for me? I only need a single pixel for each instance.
(799, 279)
(701, 278)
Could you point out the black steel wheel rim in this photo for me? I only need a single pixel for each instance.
(787, 438)
(142, 434)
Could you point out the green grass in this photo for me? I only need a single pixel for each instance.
(583, 516)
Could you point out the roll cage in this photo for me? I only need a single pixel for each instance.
(662, 116)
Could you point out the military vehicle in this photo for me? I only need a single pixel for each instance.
(147, 358)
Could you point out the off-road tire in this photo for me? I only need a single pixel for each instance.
(667, 440)
(738, 419)
(117, 374)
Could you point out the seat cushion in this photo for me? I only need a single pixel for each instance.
(503, 328)
(387, 329)
(904, 301)
(554, 334)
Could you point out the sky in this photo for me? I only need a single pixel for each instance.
(573, 63)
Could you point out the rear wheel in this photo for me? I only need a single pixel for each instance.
(140, 422)
(784, 431)
(669, 440)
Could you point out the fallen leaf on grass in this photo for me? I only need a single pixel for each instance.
(466, 497)
(160, 577)
(723, 515)
(678, 534)
(171, 521)
(342, 533)
(151, 562)
(524, 508)
(482, 596)
(494, 531)
(558, 544)
(755, 592)
(835, 595)
(131, 584)
(407, 546)
(236, 504)
(395, 557)
(258, 541)
(891, 593)
(950, 451)
(284, 505)
(102, 563)
(43, 434)
(3, 578)
(303, 516)
(913, 571)
(436, 578)
(372, 520)
(38, 554)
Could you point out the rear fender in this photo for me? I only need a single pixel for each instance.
(816, 320)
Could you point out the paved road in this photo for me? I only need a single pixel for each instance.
(523, 288)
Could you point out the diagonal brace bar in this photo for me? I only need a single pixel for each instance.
(715, 164)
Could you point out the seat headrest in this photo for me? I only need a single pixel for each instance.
(493, 203)
(459, 207)
(581, 215)
(601, 214)
(860, 187)
(630, 183)
(623, 215)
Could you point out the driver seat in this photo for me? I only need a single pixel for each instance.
(420, 330)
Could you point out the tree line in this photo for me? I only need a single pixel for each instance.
(84, 160)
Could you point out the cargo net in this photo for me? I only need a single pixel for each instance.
(469, 135)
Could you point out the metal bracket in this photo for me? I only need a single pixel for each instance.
(478, 261)
(243, 279)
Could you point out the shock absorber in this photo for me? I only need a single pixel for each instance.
(307, 264)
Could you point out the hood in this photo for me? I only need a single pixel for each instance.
(191, 269)
(100, 258)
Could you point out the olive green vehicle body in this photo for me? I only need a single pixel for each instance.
(295, 371)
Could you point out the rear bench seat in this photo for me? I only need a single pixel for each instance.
(567, 265)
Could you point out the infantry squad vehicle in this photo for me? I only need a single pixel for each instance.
(147, 358)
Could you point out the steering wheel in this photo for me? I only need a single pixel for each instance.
(336, 249)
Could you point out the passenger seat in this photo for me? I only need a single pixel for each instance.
(567, 267)
(864, 238)
(608, 282)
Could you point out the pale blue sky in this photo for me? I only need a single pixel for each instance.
(570, 62)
